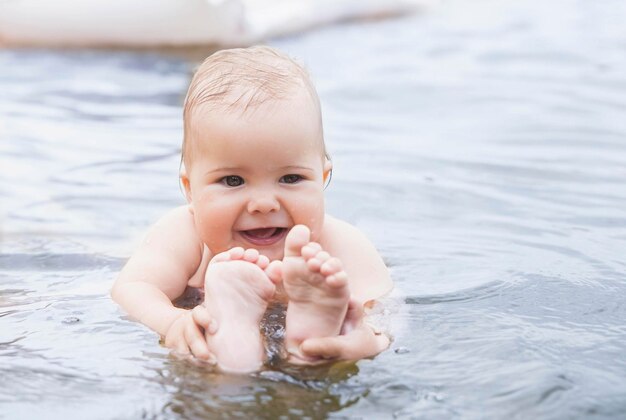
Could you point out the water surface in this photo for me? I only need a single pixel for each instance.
(482, 147)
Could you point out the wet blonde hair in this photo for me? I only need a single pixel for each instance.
(241, 79)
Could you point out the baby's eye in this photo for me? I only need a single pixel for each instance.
(232, 180)
(290, 179)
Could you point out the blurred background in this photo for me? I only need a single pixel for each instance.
(481, 146)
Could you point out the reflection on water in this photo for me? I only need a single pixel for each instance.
(481, 146)
(269, 394)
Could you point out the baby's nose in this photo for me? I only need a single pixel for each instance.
(263, 204)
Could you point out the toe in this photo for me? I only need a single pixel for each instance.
(251, 255)
(311, 249)
(314, 265)
(322, 256)
(316, 262)
(331, 266)
(274, 271)
(221, 257)
(297, 237)
(339, 279)
(236, 253)
(263, 261)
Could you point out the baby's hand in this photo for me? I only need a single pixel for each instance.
(357, 341)
(186, 334)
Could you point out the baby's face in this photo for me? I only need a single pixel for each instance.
(253, 177)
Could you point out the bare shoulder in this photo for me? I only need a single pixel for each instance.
(169, 254)
(369, 277)
(339, 235)
(177, 230)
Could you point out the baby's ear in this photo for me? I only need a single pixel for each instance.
(184, 180)
(328, 167)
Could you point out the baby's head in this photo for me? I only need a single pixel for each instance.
(253, 150)
(240, 81)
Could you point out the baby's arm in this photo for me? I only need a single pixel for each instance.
(368, 279)
(157, 273)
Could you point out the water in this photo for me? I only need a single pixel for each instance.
(481, 146)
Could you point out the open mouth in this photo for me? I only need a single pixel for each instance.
(264, 236)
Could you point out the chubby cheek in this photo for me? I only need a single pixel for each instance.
(214, 224)
(309, 212)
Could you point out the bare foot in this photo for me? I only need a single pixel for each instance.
(238, 286)
(317, 289)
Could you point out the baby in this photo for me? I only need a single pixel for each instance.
(254, 229)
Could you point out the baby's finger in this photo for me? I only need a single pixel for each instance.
(202, 317)
(361, 343)
(354, 317)
(326, 348)
(197, 343)
(181, 348)
(173, 337)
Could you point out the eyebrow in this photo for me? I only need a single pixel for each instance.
(236, 169)
(306, 168)
(223, 169)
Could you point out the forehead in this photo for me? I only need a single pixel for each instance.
(293, 119)
(247, 98)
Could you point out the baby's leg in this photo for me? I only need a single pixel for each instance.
(237, 290)
(317, 288)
